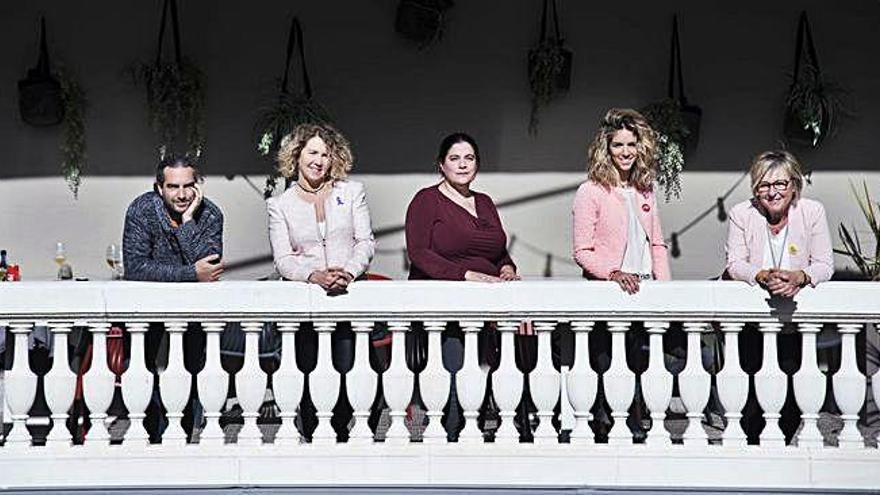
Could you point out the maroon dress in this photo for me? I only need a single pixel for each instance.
(444, 241)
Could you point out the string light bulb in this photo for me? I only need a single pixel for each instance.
(722, 212)
(675, 251)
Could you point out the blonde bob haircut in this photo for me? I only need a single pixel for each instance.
(768, 161)
(601, 167)
(341, 159)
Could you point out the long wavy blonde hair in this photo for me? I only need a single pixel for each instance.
(601, 167)
(338, 147)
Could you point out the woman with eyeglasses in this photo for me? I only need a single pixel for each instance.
(778, 239)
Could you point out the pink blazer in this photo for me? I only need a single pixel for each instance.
(808, 244)
(297, 246)
(599, 230)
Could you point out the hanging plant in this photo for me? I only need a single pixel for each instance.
(286, 109)
(175, 94)
(813, 105)
(73, 133)
(868, 263)
(676, 122)
(421, 21)
(549, 65)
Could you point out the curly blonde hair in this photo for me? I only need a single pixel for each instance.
(341, 159)
(601, 167)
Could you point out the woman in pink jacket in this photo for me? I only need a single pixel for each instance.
(319, 228)
(778, 239)
(616, 226)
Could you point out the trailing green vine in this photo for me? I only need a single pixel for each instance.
(665, 119)
(73, 132)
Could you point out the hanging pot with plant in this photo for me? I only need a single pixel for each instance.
(813, 105)
(421, 21)
(286, 108)
(676, 122)
(175, 93)
(549, 66)
(47, 99)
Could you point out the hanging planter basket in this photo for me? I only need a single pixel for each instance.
(676, 122)
(287, 107)
(813, 105)
(175, 94)
(40, 101)
(549, 66)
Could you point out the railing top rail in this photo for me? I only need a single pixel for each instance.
(420, 300)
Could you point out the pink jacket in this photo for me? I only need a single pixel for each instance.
(808, 244)
(599, 230)
(297, 246)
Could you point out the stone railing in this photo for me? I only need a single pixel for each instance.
(650, 390)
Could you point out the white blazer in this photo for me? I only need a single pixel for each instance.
(298, 247)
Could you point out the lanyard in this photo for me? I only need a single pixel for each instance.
(777, 263)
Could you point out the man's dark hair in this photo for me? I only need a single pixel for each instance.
(176, 161)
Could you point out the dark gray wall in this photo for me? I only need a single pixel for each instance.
(396, 102)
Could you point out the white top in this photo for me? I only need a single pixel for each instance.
(637, 256)
(776, 251)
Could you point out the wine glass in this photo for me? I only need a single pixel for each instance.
(113, 256)
(64, 270)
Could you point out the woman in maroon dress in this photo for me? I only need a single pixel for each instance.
(452, 232)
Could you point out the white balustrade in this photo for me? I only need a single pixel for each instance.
(287, 385)
(507, 384)
(582, 383)
(99, 383)
(175, 382)
(59, 385)
(657, 385)
(770, 386)
(733, 387)
(250, 384)
(811, 466)
(849, 387)
(213, 385)
(694, 384)
(809, 388)
(875, 379)
(470, 383)
(434, 382)
(21, 387)
(324, 385)
(361, 384)
(620, 384)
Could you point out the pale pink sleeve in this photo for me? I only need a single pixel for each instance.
(287, 261)
(364, 242)
(585, 217)
(821, 266)
(739, 265)
(659, 251)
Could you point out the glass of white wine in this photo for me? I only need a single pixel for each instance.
(113, 256)
(60, 259)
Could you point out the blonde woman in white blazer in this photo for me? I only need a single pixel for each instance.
(319, 228)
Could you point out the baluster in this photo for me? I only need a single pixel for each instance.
(582, 383)
(657, 385)
(544, 381)
(694, 384)
(849, 387)
(398, 384)
(287, 384)
(250, 384)
(324, 385)
(809, 388)
(770, 387)
(875, 381)
(174, 384)
(137, 386)
(620, 384)
(507, 385)
(59, 385)
(98, 386)
(213, 384)
(361, 383)
(21, 388)
(471, 383)
(434, 384)
(733, 386)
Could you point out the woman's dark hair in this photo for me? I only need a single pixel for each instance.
(176, 161)
(453, 139)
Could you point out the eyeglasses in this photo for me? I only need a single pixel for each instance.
(779, 185)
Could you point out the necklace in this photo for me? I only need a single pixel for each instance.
(308, 189)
